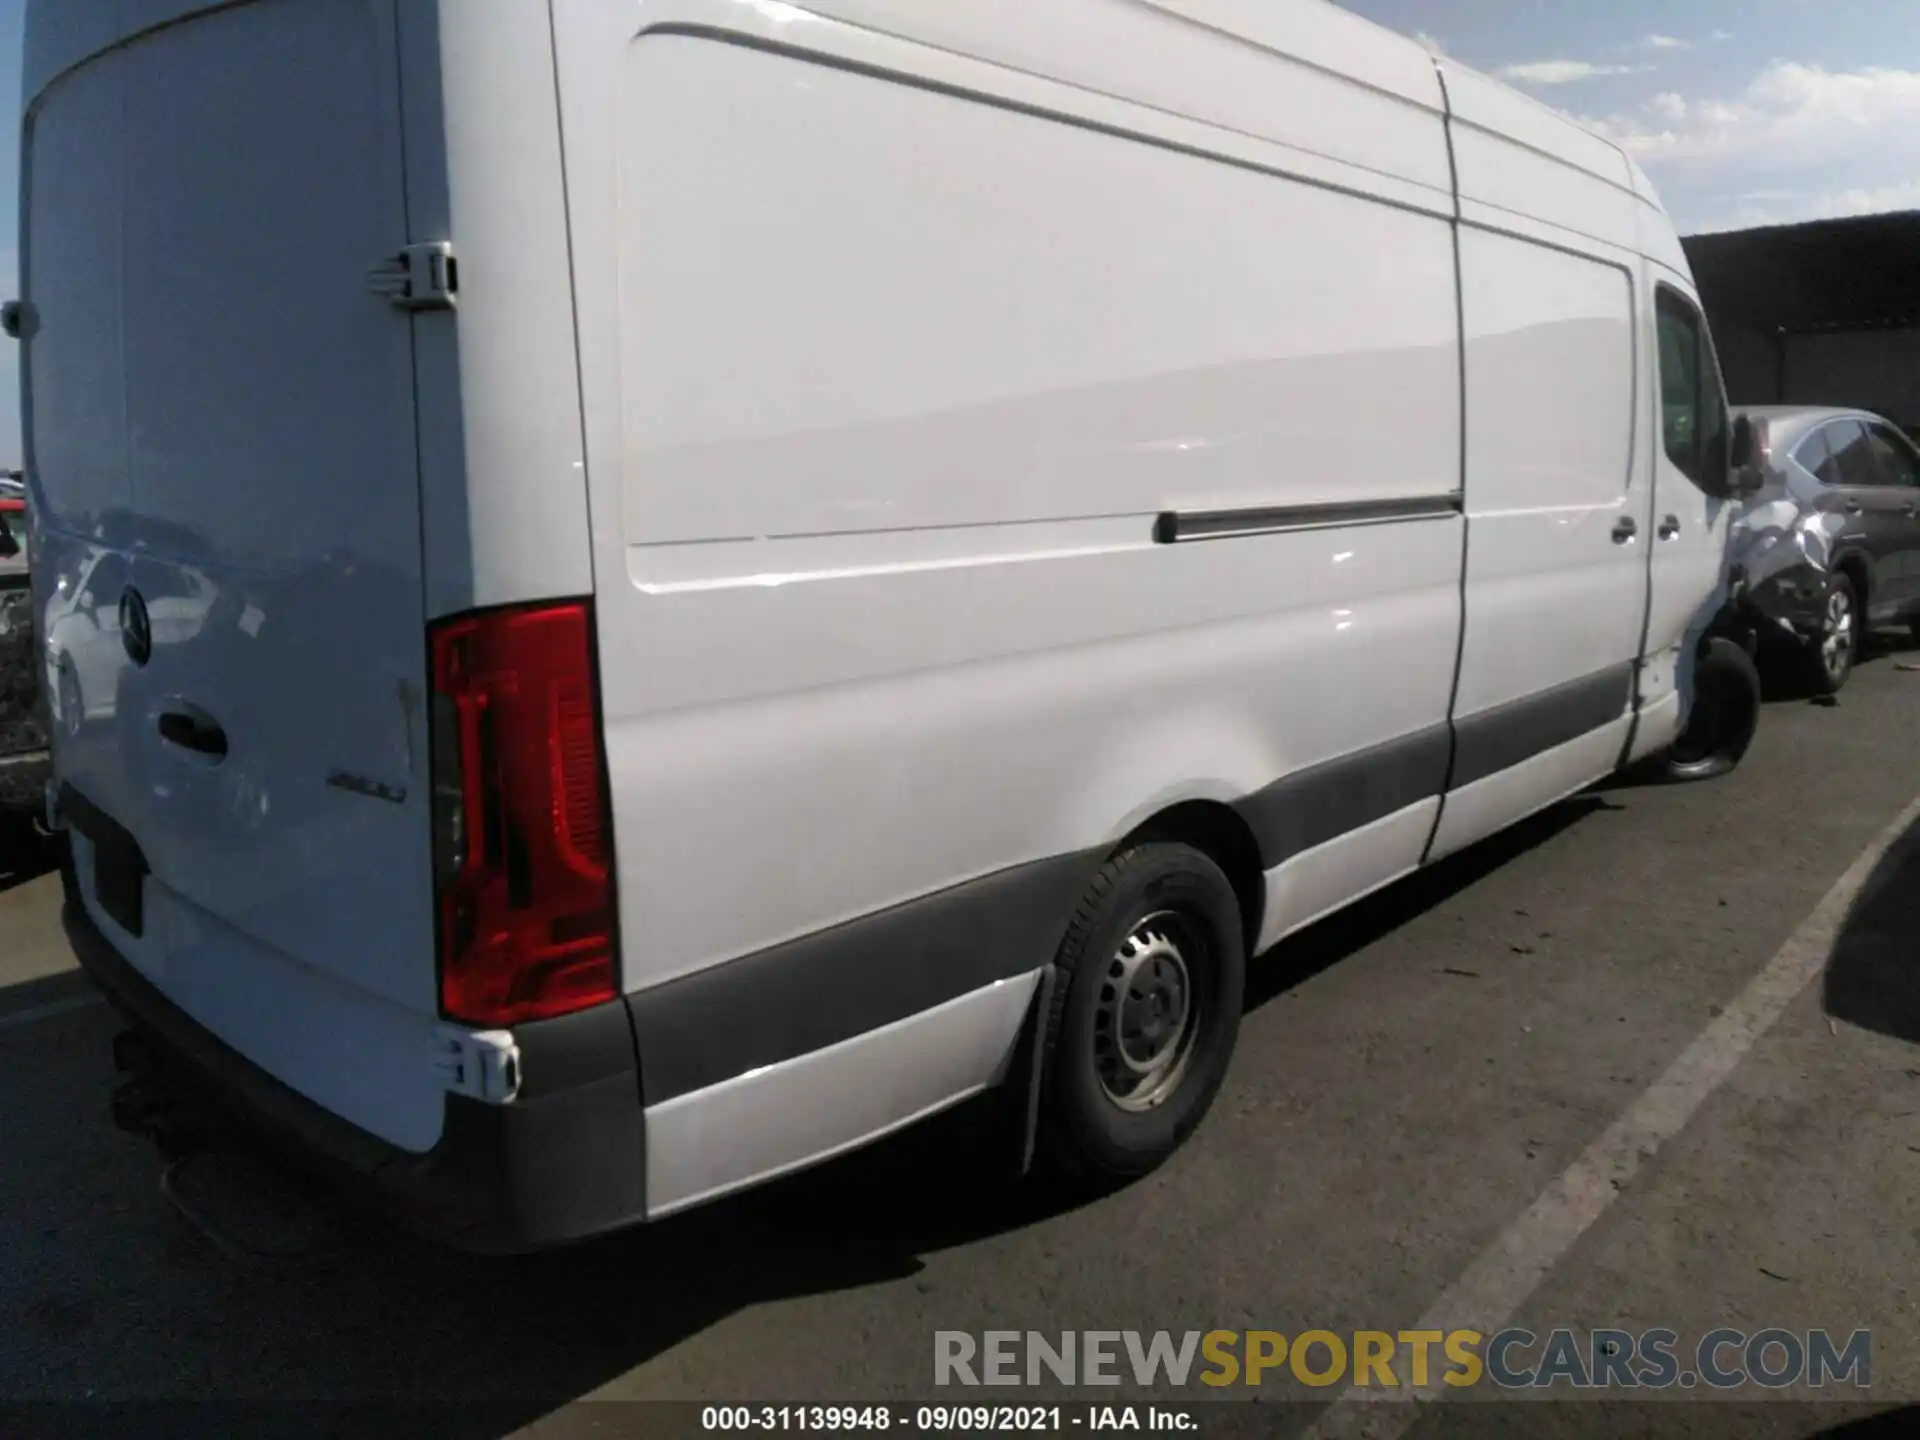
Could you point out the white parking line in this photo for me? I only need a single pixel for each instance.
(34, 1014)
(1499, 1281)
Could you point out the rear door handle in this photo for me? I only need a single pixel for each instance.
(197, 732)
(1624, 530)
(1669, 527)
(1853, 506)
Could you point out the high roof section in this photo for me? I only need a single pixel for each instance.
(1520, 159)
(1522, 165)
(1280, 72)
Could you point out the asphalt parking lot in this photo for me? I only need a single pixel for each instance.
(1411, 1078)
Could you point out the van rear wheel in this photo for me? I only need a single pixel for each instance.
(1144, 1017)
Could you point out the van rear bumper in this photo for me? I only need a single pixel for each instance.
(565, 1161)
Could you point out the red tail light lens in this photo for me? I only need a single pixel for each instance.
(520, 817)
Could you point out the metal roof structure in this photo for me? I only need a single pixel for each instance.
(1861, 273)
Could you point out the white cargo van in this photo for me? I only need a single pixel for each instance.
(667, 586)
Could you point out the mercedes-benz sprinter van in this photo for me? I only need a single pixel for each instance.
(638, 594)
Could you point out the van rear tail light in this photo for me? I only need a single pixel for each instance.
(520, 823)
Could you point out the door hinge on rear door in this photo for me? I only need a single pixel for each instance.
(484, 1064)
(420, 277)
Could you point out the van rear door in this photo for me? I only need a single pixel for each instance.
(221, 434)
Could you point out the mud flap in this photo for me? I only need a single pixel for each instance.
(1032, 1055)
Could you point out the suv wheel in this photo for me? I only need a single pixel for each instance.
(1830, 658)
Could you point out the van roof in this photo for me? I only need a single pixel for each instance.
(1126, 48)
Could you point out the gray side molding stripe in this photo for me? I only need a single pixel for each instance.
(1505, 735)
(837, 983)
(1325, 801)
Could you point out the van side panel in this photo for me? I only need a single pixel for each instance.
(876, 451)
(891, 490)
(1555, 589)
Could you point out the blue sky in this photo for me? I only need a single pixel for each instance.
(1743, 112)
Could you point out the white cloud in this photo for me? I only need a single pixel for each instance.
(1432, 42)
(1561, 72)
(1721, 35)
(1667, 106)
(1797, 113)
(1666, 42)
(1799, 142)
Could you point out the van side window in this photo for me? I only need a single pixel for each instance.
(1693, 410)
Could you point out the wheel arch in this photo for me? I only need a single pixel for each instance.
(1857, 566)
(1219, 832)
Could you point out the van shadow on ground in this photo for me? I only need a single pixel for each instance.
(1897, 1424)
(1872, 978)
(510, 1341)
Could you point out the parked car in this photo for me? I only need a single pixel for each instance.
(986, 553)
(23, 738)
(1830, 545)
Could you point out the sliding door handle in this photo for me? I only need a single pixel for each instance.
(1669, 527)
(1624, 530)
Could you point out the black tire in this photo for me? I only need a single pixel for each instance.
(1827, 661)
(1100, 1123)
(1724, 716)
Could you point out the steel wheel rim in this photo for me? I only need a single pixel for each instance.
(1836, 645)
(1147, 1014)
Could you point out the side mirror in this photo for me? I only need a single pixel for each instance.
(1747, 457)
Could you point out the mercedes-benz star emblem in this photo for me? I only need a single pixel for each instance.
(136, 631)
